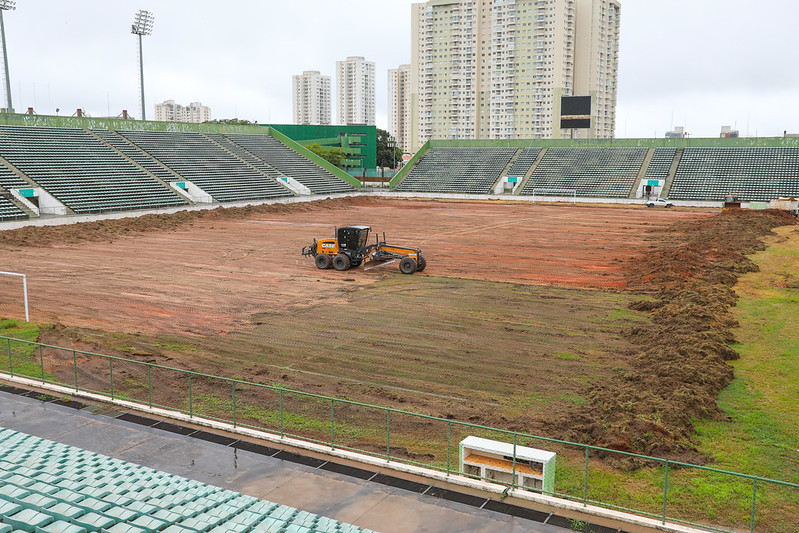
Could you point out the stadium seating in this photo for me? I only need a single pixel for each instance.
(47, 487)
(522, 165)
(660, 164)
(80, 171)
(751, 173)
(9, 180)
(590, 172)
(290, 163)
(136, 154)
(9, 211)
(257, 162)
(458, 170)
(216, 171)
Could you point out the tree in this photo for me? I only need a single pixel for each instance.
(232, 122)
(334, 156)
(385, 156)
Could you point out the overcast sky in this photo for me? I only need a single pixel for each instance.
(694, 63)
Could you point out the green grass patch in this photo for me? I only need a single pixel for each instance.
(21, 358)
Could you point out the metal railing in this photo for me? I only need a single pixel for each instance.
(389, 433)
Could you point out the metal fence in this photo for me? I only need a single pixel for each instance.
(659, 489)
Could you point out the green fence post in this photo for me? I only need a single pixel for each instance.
(111, 375)
(332, 424)
(388, 435)
(234, 404)
(191, 399)
(41, 360)
(585, 481)
(75, 366)
(665, 489)
(282, 433)
(449, 437)
(10, 360)
(513, 480)
(754, 501)
(150, 383)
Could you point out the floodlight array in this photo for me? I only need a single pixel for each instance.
(7, 5)
(142, 24)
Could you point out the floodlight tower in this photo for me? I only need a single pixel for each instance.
(142, 25)
(6, 5)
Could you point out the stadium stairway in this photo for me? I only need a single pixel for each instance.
(641, 173)
(672, 172)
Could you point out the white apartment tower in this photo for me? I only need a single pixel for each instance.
(399, 106)
(496, 69)
(356, 91)
(169, 111)
(311, 94)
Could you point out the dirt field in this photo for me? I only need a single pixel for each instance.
(208, 274)
(528, 317)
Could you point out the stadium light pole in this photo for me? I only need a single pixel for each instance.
(142, 25)
(6, 5)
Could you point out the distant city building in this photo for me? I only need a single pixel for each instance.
(356, 91)
(678, 133)
(169, 111)
(399, 106)
(728, 133)
(489, 69)
(311, 93)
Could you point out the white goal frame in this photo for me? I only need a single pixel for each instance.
(24, 289)
(564, 193)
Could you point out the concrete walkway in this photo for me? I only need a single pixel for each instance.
(368, 499)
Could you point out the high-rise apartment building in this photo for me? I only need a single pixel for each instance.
(496, 69)
(399, 106)
(169, 111)
(311, 97)
(356, 91)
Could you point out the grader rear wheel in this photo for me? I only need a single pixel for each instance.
(341, 262)
(420, 264)
(407, 265)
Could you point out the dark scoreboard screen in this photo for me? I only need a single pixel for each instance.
(575, 112)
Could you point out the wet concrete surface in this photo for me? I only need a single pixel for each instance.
(385, 504)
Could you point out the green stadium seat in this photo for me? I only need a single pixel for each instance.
(28, 520)
(61, 527)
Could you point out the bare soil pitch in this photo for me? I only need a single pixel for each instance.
(525, 318)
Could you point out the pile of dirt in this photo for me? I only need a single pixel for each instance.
(111, 229)
(682, 364)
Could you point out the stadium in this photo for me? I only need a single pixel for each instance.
(558, 314)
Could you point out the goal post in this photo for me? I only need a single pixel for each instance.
(24, 289)
(560, 193)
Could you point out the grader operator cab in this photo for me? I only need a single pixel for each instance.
(350, 248)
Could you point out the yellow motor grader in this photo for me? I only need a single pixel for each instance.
(350, 248)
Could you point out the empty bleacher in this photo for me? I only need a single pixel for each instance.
(590, 172)
(80, 171)
(290, 163)
(140, 157)
(9, 211)
(660, 164)
(246, 155)
(219, 173)
(522, 165)
(9, 180)
(52, 487)
(458, 170)
(751, 173)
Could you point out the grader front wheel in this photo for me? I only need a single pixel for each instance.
(407, 265)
